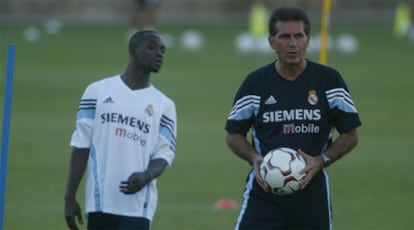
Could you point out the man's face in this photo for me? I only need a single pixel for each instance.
(150, 54)
(290, 42)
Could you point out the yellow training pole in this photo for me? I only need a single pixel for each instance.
(324, 31)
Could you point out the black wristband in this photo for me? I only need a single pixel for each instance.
(326, 160)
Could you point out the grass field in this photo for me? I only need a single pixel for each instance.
(372, 188)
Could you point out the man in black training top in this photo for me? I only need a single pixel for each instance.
(296, 103)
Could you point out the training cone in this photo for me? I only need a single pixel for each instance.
(226, 204)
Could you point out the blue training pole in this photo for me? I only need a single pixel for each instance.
(8, 94)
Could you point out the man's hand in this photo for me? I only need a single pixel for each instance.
(313, 166)
(138, 180)
(73, 212)
(135, 183)
(256, 167)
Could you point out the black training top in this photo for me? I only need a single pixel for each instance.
(298, 114)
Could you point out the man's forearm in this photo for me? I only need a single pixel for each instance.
(77, 168)
(342, 145)
(241, 147)
(156, 167)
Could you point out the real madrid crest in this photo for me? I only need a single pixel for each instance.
(149, 110)
(312, 97)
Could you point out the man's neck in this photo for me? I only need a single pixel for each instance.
(135, 80)
(290, 71)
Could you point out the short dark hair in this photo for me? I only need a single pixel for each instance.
(138, 37)
(288, 13)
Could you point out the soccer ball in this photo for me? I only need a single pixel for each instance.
(192, 40)
(347, 43)
(280, 169)
(32, 34)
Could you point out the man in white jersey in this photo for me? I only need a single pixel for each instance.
(125, 137)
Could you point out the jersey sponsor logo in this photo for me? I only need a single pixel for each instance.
(125, 120)
(294, 115)
(302, 128)
(122, 132)
(291, 115)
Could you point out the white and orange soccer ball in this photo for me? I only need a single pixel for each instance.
(281, 170)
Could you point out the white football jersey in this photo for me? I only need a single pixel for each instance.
(124, 130)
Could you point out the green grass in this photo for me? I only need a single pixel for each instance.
(371, 187)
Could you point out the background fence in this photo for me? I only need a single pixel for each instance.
(188, 11)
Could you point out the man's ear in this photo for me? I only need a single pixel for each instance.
(270, 40)
(308, 37)
(132, 53)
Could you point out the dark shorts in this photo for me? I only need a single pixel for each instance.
(307, 209)
(101, 221)
(146, 3)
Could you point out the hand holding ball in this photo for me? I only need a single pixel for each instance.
(281, 170)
